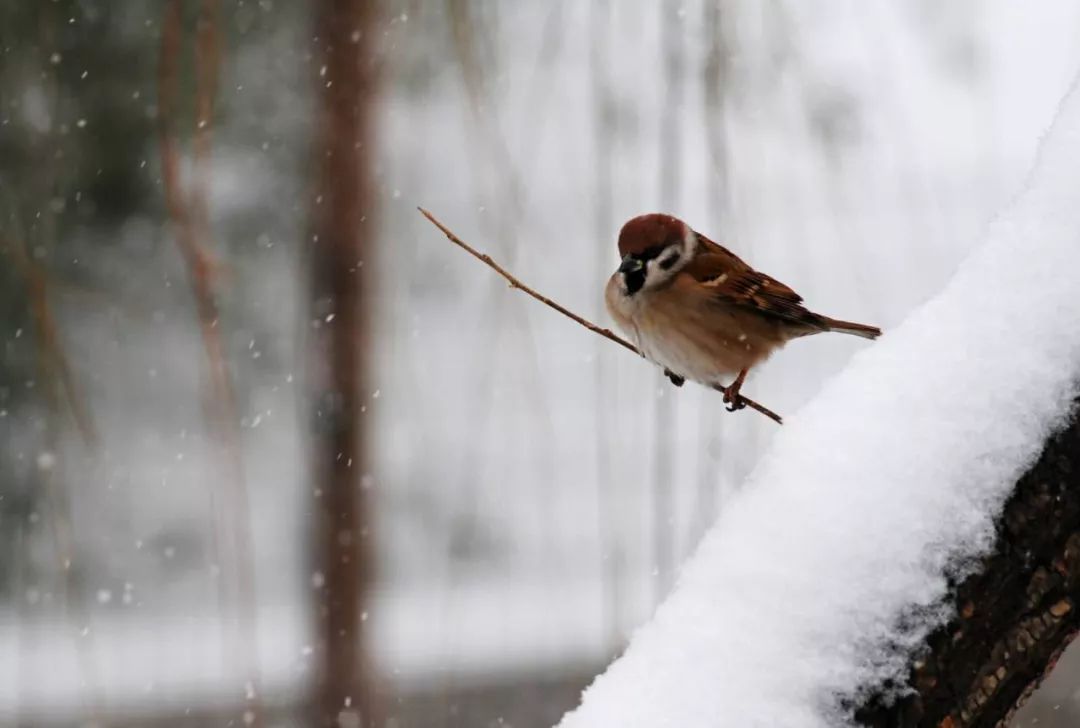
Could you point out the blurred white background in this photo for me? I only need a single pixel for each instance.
(536, 487)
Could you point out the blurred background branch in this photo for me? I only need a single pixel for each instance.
(188, 210)
(344, 219)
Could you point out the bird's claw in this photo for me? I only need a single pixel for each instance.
(732, 396)
(733, 399)
(735, 405)
(675, 378)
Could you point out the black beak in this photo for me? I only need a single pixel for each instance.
(630, 264)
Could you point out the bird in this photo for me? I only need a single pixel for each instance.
(700, 312)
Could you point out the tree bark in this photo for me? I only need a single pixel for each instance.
(342, 242)
(1013, 618)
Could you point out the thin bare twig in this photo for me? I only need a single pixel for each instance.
(606, 333)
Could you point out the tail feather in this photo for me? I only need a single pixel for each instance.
(847, 327)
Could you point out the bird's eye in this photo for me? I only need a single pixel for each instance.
(669, 261)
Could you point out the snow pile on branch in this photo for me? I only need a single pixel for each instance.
(872, 493)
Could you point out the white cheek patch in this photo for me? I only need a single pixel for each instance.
(655, 273)
(664, 267)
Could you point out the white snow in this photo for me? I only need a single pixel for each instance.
(872, 492)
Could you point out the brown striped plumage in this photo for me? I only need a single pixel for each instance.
(698, 310)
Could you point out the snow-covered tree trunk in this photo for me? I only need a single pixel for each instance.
(1012, 618)
(893, 511)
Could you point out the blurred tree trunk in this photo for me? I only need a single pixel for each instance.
(342, 242)
(1014, 617)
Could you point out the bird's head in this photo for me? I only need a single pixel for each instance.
(654, 248)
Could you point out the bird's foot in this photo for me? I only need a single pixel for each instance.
(732, 398)
(675, 378)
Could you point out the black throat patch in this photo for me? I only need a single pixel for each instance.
(634, 281)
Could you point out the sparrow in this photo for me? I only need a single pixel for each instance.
(700, 312)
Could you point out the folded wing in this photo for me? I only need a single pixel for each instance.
(736, 283)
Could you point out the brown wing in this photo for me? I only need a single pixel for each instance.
(736, 283)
